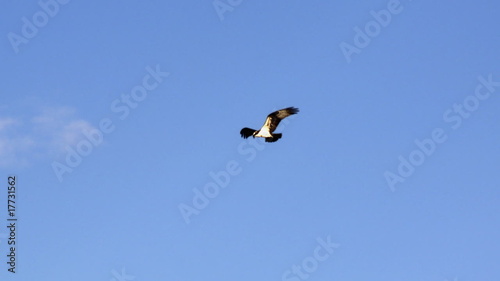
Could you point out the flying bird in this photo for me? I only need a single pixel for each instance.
(272, 122)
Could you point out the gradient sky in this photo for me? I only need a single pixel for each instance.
(389, 172)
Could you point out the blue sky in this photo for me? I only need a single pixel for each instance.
(120, 122)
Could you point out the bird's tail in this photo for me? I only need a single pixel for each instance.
(274, 138)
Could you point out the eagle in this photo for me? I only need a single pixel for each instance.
(272, 122)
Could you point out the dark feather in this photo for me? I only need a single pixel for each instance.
(247, 132)
(274, 119)
(274, 138)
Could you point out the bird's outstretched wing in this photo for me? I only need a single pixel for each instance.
(247, 132)
(274, 119)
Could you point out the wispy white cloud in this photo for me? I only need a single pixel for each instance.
(71, 133)
(44, 134)
(59, 127)
(7, 122)
(11, 143)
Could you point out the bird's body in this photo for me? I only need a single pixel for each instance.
(270, 125)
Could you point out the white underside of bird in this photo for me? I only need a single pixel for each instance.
(264, 133)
